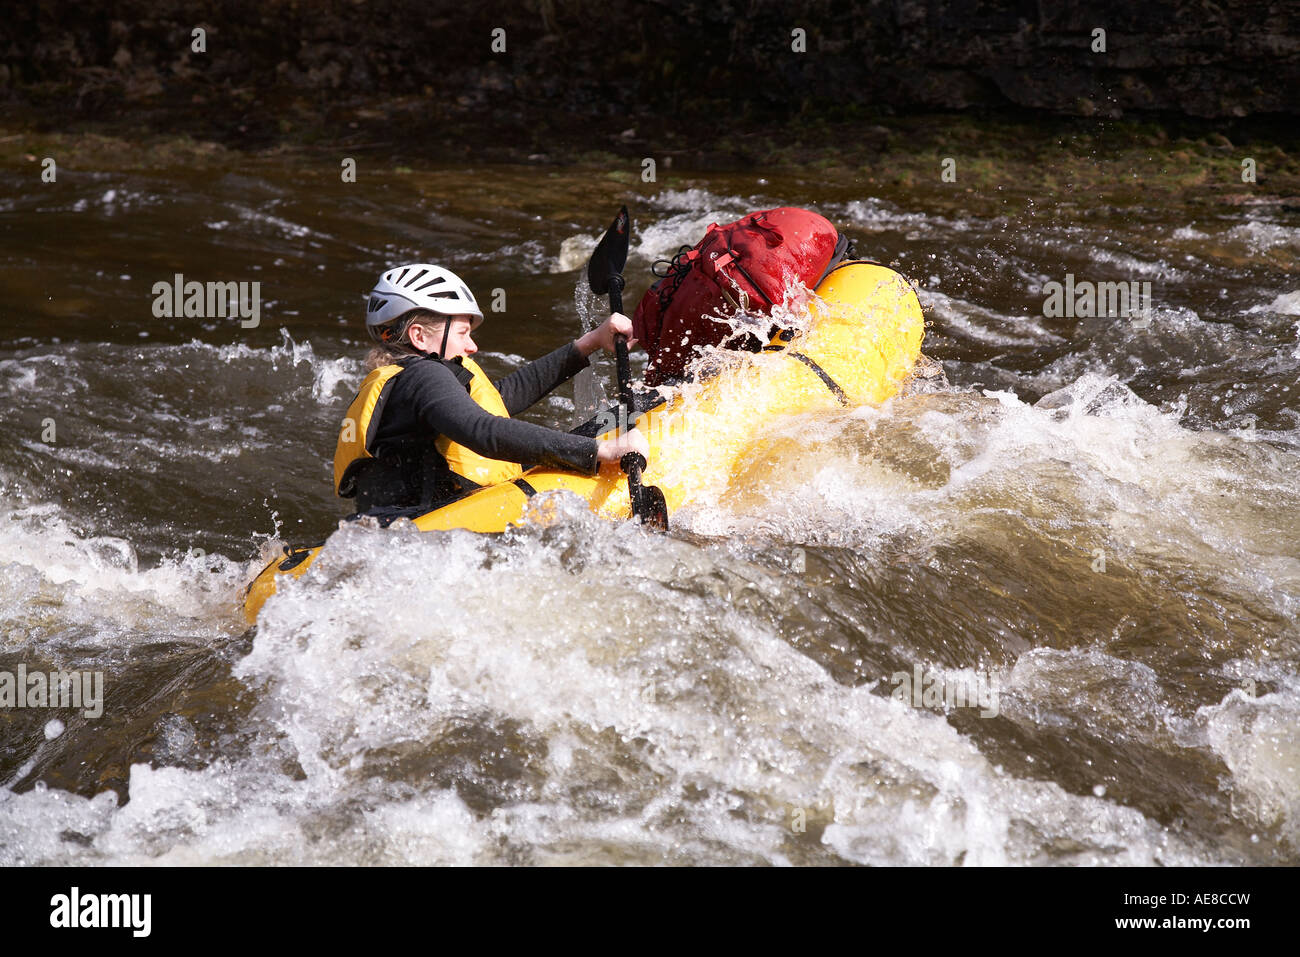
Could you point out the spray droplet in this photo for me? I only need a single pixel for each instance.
(53, 728)
(1099, 790)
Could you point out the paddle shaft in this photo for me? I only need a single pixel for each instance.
(620, 347)
(632, 462)
(605, 275)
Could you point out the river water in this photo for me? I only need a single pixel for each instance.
(1094, 521)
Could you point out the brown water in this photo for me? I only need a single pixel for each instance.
(1097, 519)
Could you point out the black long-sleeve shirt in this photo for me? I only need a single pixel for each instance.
(427, 400)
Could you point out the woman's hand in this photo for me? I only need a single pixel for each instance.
(611, 450)
(602, 337)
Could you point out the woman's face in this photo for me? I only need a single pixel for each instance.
(459, 342)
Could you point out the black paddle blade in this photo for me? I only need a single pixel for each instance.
(611, 254)
(654, 510)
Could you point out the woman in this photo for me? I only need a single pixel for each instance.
(427, 426)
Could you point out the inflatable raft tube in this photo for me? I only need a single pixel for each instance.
(863, 339)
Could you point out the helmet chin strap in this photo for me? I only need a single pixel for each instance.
(446, 331)
(442, 349)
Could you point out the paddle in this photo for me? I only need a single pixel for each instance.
(605, 274)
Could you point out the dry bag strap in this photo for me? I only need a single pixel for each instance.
(841, 396)
(675, 271)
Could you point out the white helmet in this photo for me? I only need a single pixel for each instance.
(416, 286)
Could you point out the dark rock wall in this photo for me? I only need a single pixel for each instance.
(726, 58)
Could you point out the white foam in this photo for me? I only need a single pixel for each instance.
(1285, 304)
(1261, 237)
(99, 577)
(1258, 738)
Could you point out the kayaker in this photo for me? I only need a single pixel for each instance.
(428, 426)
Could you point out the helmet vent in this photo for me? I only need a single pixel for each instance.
(432, 282)
(416, 278)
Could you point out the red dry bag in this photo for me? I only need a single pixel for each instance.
(743, 267)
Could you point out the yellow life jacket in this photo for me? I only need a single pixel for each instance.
(361, 424)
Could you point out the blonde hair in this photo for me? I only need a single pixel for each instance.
(389, 352)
